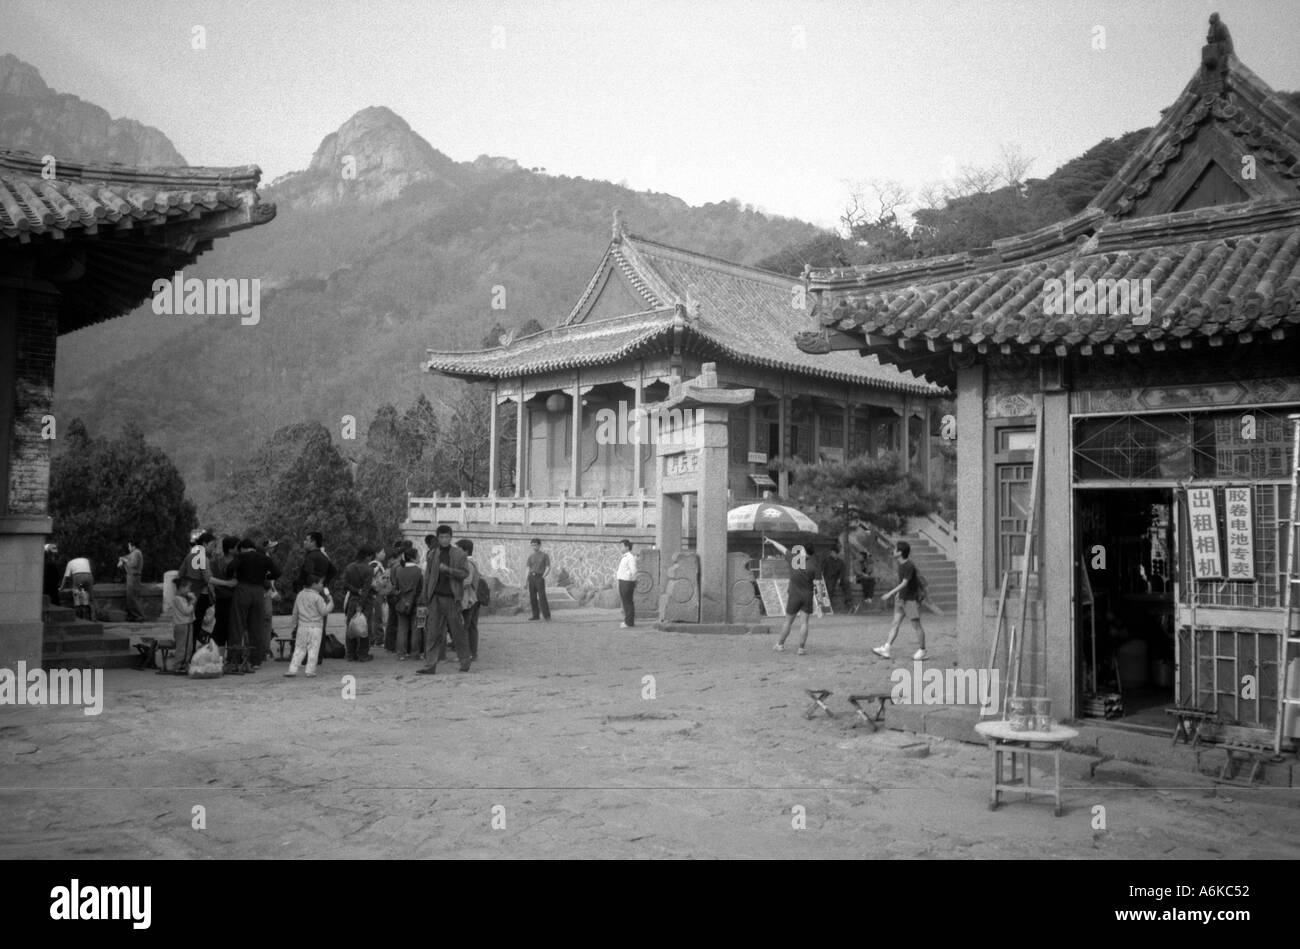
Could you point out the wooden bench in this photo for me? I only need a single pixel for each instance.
(819, 697)
(868, 697)
(1242, 745)
(1188, 723)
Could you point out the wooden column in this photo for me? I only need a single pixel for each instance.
(848, 420)
(575, 445)
(521, 438)
(782, 422)
(816, 431)
(492, 445)
(904, 435)
(925, 446)
(638, 473)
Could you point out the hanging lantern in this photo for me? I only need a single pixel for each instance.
(556, 403)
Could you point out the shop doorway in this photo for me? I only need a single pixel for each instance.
(1125, 597)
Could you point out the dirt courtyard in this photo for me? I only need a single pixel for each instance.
(553, 747)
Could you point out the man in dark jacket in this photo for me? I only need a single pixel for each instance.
(443, 589)
(253, 572)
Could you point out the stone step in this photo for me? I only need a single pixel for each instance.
(59, 614)
(87, 644)
(80, 628)
(91, 660)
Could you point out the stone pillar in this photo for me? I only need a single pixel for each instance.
(974, 486)
(28, 334)
(711, 516)
(668, 534)
(1056, 557)
(697, 464)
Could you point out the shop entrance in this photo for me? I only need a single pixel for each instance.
(1125, 604)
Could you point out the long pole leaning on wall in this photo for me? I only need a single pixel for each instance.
(1030, 526)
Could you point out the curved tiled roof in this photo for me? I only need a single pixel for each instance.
(102, 233)
(1234, 284)
(84, 197)
(730, 311)
(1206, 274)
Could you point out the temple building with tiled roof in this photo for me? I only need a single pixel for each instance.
(586, 471)
(1123, 382)
(80, 243)
(651, 312)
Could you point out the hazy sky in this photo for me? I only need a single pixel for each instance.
(776, 104)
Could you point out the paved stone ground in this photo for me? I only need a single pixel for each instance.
(551, 727)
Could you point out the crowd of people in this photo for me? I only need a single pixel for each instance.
(399, 598)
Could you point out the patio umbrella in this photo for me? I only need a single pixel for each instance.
(768, 518)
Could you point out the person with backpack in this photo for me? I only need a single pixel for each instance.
(802, 594)
(407, 578)
(909, 592)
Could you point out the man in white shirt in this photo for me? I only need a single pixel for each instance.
(78, 576)
(626, 577)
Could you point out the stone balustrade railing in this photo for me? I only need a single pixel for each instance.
(597, 512)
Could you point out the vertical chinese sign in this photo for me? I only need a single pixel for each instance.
(1239, 505)
(1207, 562)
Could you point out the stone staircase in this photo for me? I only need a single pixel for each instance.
(940, 573)
(70, 643)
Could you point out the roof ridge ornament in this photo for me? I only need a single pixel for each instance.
(617, 228)
(1215, 53)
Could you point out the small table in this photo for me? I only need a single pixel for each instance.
(1002, 740)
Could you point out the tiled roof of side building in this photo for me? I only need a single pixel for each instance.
(1244, 281)
(730, 311)
(1183, 264)
(51, 200)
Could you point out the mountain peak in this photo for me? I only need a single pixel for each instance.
(37, 119)
(372, 157)
(21, 79)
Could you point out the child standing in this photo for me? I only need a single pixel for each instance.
(182, 615)
(310, 609)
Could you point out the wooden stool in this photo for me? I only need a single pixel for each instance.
(818, 697)
(1242, 745)
(1188, 723)
(869, 697)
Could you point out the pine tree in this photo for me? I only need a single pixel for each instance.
(104, 491)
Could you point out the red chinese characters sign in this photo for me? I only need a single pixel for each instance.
(1207, 559)
(1239, 507)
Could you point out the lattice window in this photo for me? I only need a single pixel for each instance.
(1013, 484)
